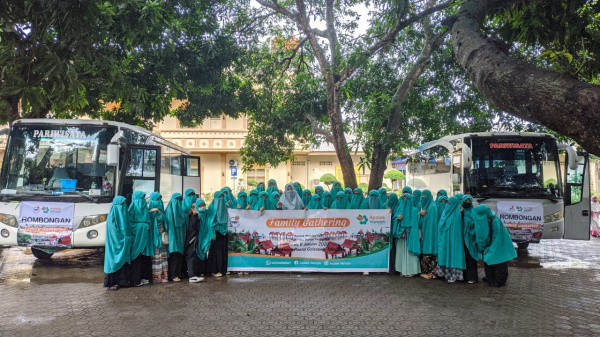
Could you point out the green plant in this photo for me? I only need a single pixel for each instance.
(327, 179)
(416, 183)
(252, 182)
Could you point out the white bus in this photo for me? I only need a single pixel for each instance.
(59, 178)
(518, 175)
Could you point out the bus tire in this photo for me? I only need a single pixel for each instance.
(522, 245)
(40, 254)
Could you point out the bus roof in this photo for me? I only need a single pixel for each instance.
(444, 141)
(96, 122)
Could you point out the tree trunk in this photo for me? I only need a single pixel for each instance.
(337, 130)
(378, 165)
(566, 105)
(12, 109)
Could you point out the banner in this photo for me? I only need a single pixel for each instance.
(309, 240)
(524, 219)
(45, 224)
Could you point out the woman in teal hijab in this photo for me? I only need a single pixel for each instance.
(315, 202)
(428, 221)
(306, 197)
(174, 218)
(142, 247)
(406, 234)
(335, 189)
(348, 192)
(327, 200)
(494, 241)
(470, 243)
(392, 202)
(272, 187)
(373, 200)
(242, 200)
(260, 187)
(451, 253)
(274, 199)
(383, 197)
(117, 251)
(218, 219)
(298, 189)
(253, 198)
(440, 193)
(263, 203)
(189, 198)
(406, 189)
(340, 201)
(230, 201)
(417, 198)
(205, 235)
(443, 202)
(319, 190)
(160, 266)
(358, 200)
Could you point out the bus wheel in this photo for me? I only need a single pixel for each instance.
(40, 254)
(522, 245)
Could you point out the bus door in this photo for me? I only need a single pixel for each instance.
(577, 199)
(191, 173)
(457, 178)
(141, 171)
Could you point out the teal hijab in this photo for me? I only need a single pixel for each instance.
(188, 199)
(242, 200)
(373, 200)
(260, 187)
(340, 201)
(407, 189)
(496, 246)
(319, 190)
(459, 196)
(117, 250)
(263, 202)
(315, 202)
(392, 202)
(417, 198)
(156, 217)
(451, 252)
(327, 200)
(217, 214)
(337, 188)
(409, 225)
(348, 192)
(272, 186)
(205, 232)
(274, 199)
(439, 195)
(175, 221)
(383, 197)
(140, 223)
(253, 198)
(358, 199)
(469, 234)
(230, 201)
(306, 197)
(428, 223)
(298, 189)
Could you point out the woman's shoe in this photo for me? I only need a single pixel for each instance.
(176, 279)
(218, 275)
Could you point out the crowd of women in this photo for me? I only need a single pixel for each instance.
(435, 239)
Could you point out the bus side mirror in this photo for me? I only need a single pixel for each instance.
(572, 158)
(112, 155)
(467, 155)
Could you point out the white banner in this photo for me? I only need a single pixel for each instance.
(46, 224)
(309, 240)
(524, 219)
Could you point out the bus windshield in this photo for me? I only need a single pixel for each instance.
(58, 160)
(513, 167)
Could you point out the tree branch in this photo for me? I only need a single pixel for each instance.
(294, 52)
(318, 129)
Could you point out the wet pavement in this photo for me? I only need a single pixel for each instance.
(553, 290)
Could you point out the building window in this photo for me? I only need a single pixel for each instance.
(325, 163)
(299, 163)
(256, 174)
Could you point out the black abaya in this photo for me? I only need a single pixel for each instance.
(496, 274)
(218, 254)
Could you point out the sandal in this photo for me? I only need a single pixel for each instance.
(114, 288)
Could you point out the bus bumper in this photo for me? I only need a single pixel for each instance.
(8, 235)
(92, 236)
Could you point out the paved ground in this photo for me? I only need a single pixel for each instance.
(552, 291)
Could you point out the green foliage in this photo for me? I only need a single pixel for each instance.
(69, 58)
(550, 181)
(416, 183)
(252, 182)
(364, 187)
(394, 175)
(327, 179)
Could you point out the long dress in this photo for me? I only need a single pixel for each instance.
(406, 234)
(117, 252)
(428, 227)
(471, 254)
(160, 264)
(174, 221)
(451, 254)
(218, 220)
(595, 221)
(141, 249)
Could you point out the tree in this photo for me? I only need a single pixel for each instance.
(550, 75)
(394, 175)
(327, 179)
(69, 58)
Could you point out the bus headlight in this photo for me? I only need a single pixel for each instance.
(92, 220)
(92, 234)
(9, 220)
(5, 233)
(554, 216)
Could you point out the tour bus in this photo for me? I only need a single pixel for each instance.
(518, 175)
(59, 178)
